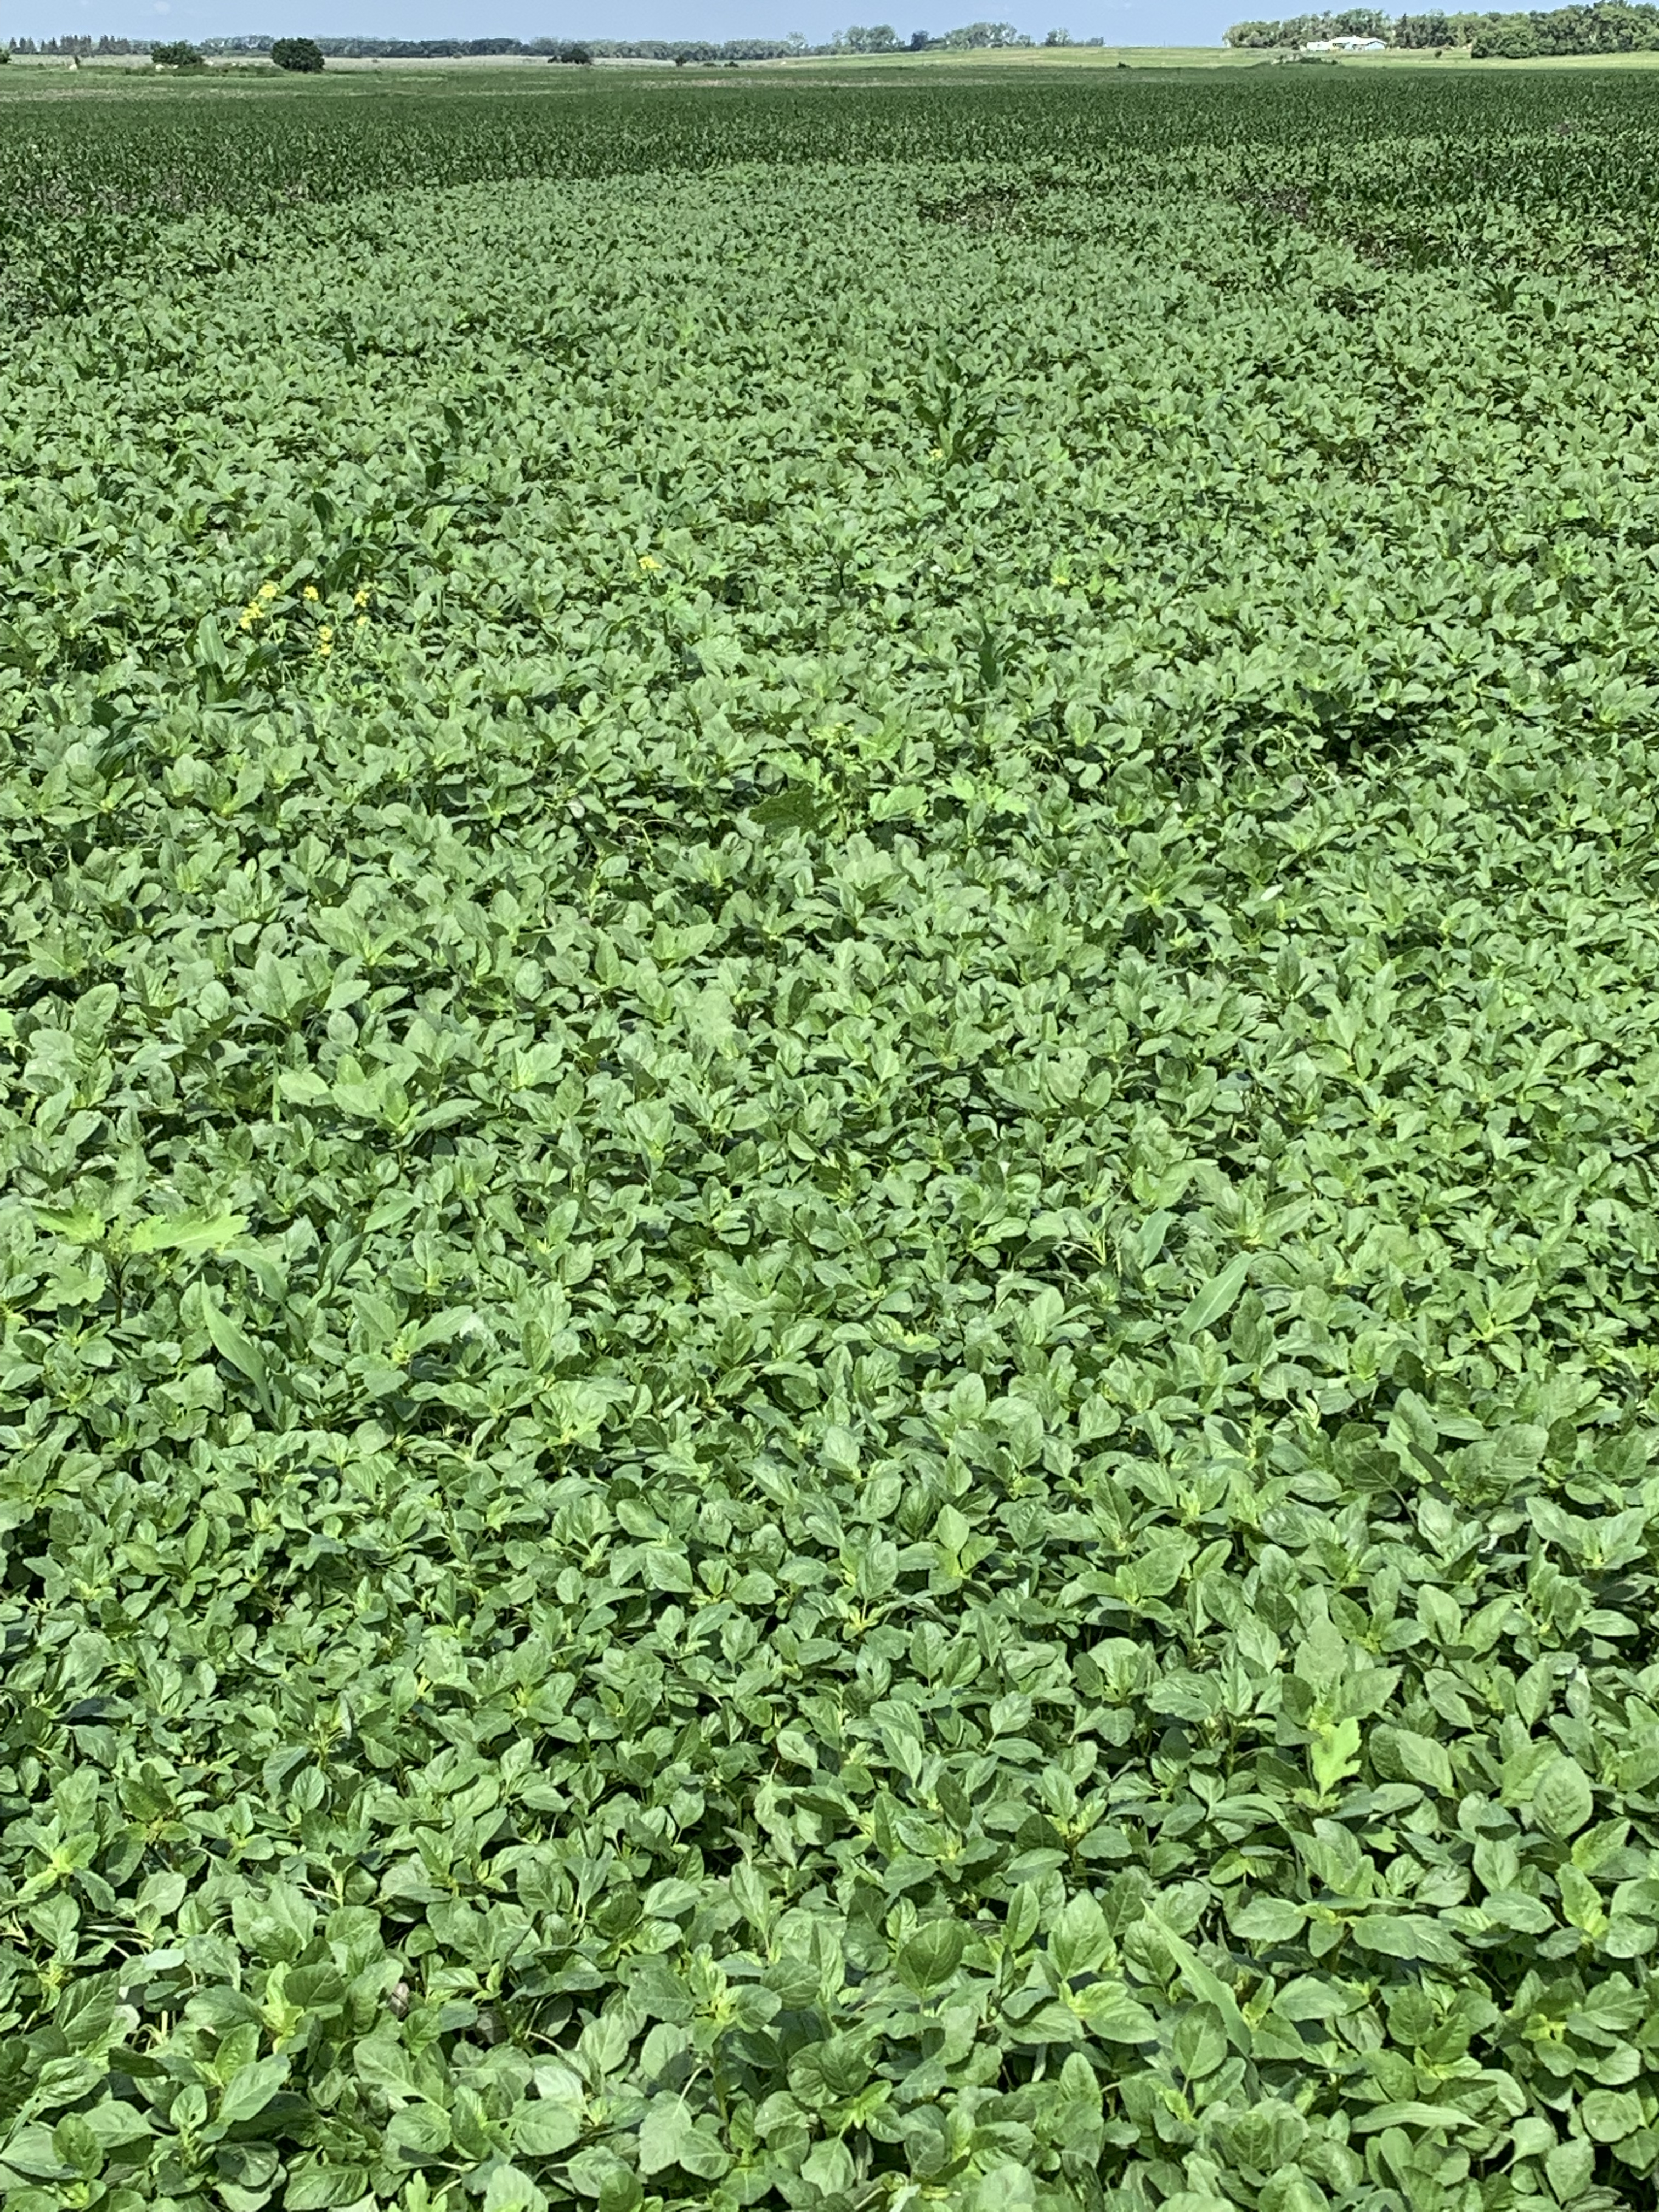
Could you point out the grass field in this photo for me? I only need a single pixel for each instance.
(829, 1274)
(35, 75)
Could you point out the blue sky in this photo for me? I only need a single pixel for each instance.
(1145, 23)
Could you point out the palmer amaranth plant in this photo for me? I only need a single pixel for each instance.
(830, 1276)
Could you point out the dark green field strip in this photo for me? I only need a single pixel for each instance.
(91, 176)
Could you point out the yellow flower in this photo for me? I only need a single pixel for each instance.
(326, 633)
(310, 591)
(361, 621)
(360, 598)
(938, 453)
(325, 649)
(267, 591)
(648, 564)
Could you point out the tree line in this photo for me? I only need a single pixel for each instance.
(969, 38)
(1601, 27)
(667, 50)
(858, 39)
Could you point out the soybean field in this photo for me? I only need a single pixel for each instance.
(829, 999)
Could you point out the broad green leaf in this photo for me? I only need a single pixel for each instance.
(1200, 2042)
(671, 2135)
(1561, 1797)
(543, 2129)
(1407, 1936)
(1568, 2167)
(249, 2090)
(417, 2134)
(1215, 1300)
(186, 1232)
(1204, 1983)
(1412, 2112)
(231, 1344)
(930, 1957)
(1610, 2115)
(1266, 1920)
(77, 1225)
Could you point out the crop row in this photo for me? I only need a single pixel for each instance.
(89, 180)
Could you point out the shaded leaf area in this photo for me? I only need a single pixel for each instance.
(828, 1255)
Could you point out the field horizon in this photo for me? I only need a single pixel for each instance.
(1011, 64)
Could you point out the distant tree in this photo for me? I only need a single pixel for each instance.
(1302, 30)
(920, 42)
(1612, 28)
(1507, 39)
(177, 54)
(303, 56)
(1056, 37)
(879, 39)
(1419, 31)
(571, 50)
(1603, 27)
(972, 37)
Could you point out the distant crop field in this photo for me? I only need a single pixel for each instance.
(829, 1286)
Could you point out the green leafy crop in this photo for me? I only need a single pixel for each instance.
(827, 1251)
